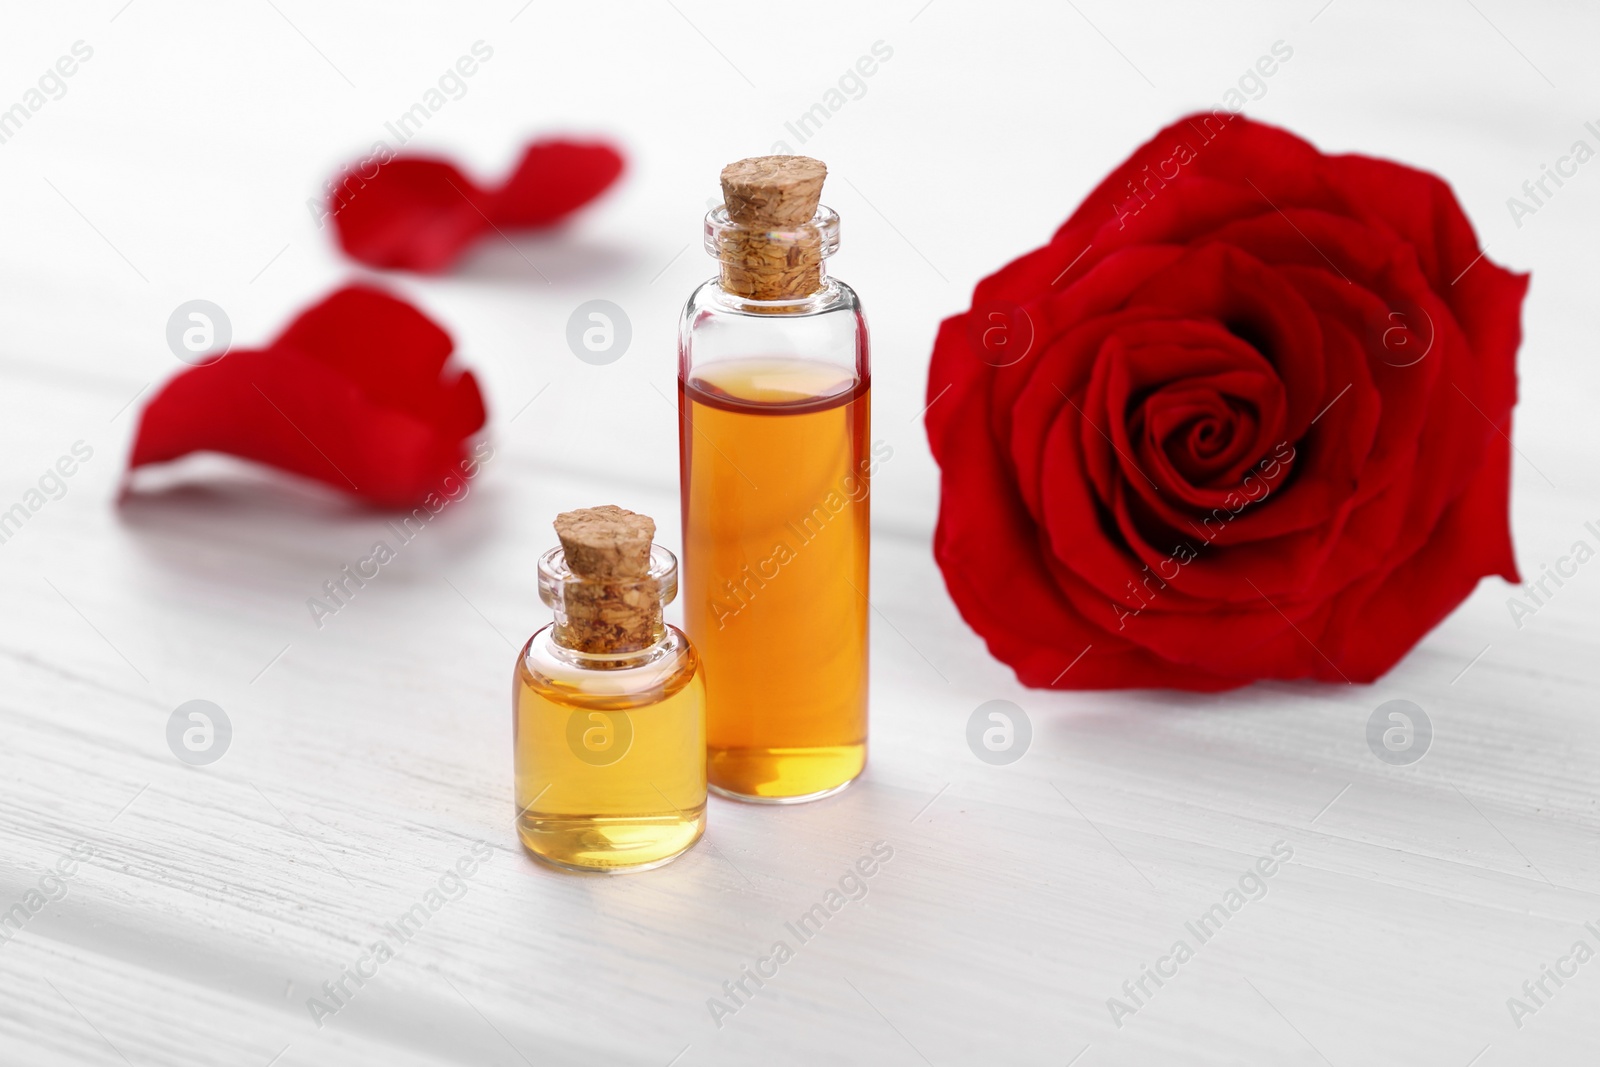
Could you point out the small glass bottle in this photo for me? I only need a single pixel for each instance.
(774, 435)
(609, 705)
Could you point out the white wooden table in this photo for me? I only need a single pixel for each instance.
(371, 755)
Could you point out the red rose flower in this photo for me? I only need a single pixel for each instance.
(1246, 416)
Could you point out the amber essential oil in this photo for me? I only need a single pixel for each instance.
(776, 464)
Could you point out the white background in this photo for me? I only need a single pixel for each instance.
(370, 754)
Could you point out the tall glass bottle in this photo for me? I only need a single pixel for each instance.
(774, 434)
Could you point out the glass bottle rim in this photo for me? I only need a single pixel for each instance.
(554, 576)
(822, 228)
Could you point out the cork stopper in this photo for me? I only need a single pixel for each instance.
(772, 252)
(773, 192)
(606, 542)
(611, 602)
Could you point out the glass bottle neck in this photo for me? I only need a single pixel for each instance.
(798, 284)
(608, 661)
(608, 622)
(772, 266)
(829, 294)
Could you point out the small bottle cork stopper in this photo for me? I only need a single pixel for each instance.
(765, 196)
(606, 542)
(773, 192)
(611, 604)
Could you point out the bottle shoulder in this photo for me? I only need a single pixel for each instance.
(719, 326)
(835, 297)
(559, 675)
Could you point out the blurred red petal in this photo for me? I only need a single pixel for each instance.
(412, 214)
(371, 337)
(421, 214)
(351, 395)
(554, 179)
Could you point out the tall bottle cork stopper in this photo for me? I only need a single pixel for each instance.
(772, 254)
(612, 604)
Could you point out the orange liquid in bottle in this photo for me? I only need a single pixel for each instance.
(775, 551)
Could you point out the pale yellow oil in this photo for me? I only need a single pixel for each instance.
(610, 764)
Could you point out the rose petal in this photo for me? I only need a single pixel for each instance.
(354, 394)
(420, 214)
(552, 180)
(414, 214)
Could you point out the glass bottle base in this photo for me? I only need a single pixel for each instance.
(575, 868)
(783, 775)
(751, 798)
(609, 845)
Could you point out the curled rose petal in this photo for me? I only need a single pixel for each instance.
(413, 213)
(1242, 417)
(355, 393)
